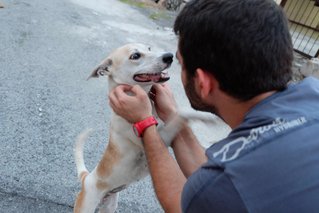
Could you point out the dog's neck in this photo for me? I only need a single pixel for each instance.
(112, 84)
(116, 119)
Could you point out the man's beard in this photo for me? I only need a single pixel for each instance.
(195, 100)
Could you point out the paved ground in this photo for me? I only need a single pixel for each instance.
(47, 50)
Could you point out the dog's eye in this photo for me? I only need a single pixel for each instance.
(135, 56)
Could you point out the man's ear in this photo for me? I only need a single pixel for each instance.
(102, 69)
(205, 83)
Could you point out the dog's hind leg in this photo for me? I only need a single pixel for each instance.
(93, 188)
(108, 204)
(90, 195)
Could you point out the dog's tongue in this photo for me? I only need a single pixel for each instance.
(157, 77)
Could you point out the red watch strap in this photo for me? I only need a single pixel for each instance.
(139, 127)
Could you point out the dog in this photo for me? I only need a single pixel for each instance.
(124, 161)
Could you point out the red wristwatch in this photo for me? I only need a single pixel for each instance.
(139, 127)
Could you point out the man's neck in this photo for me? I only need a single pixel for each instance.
(233, 111)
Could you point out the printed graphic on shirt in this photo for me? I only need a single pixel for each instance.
(232, 149)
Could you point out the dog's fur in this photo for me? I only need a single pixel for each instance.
(124, 161)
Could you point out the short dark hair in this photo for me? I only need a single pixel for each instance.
(245, 44)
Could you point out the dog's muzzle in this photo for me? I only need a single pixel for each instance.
(157, 77)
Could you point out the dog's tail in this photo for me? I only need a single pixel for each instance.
(78, 153)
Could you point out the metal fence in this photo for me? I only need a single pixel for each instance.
(303, 18)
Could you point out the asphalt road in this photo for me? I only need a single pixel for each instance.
(47, 50)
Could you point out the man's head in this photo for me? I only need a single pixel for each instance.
(244, 44)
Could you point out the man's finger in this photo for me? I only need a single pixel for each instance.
(113, 106)
(113, 99)
(136, 89)
(122, 91)
(125, 87)
(154, 88)
(166, 86)
(151, 95)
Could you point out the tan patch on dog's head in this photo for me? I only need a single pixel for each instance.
(112, 62)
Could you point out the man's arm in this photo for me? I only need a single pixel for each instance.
(189, 154)
(167, 177)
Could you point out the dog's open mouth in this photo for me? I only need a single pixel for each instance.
(155, 77)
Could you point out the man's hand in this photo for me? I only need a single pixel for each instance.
(130, 102)
(164, 101)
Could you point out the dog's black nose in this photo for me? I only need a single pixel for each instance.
(168, 58)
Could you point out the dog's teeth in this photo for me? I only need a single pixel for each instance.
(164, 75)
(155, 77)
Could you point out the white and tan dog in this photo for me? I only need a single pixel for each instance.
(123, 161)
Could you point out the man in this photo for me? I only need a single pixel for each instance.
(236, 58)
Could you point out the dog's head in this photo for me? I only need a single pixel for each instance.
(135, 64)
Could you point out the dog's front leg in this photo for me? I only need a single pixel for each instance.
(169, 131)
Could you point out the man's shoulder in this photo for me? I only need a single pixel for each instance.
(265, 133)
(276, 149)
(274, 119)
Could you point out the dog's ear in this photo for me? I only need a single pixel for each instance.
(102, 69)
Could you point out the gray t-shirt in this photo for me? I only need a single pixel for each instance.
(270, 163)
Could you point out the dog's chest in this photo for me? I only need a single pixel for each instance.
(122, 132)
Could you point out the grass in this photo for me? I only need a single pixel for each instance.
(155, 15)
(133, 3)
(159, 15)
